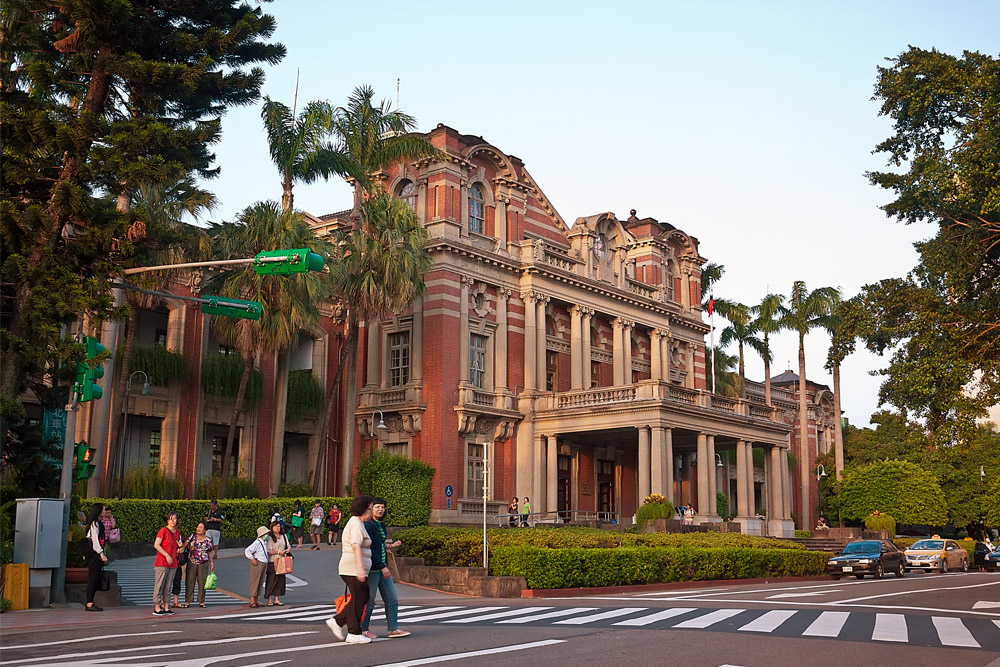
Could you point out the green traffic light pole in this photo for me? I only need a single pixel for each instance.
(297, 260)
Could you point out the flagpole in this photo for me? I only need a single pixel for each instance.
(711, 333)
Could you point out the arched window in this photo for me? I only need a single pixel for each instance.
(477, 209)
(407, 192)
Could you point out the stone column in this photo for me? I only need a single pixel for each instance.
(689, 358)
(644, 455)
(500, 221)
(538, 472)
(665, 355)
(617, 350)
(627, 351)
(655, 367)
(421, 202)
(463, 220)
(741, 480)
(500, 342)
(540, 345)
(372, 354)
(713, 476)
(668, 464)
(463, 329)
(686, 286)
(575, 348)
(703, 467)
(585, 360)
(776, 509)
(417, 341)
(656, 463)
(552, 475)
(529, 299)
(748, 454)
(786, 486)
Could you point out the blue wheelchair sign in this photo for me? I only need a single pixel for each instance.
(448, 491)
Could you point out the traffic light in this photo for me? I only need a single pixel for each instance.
(82, 466)
(297, 260)
(86, 386)
(220, 305)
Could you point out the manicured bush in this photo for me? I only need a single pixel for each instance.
(880, 521)
(803, 534)
(404, 483)
(899, 488)
(573, 568)
(654, 507)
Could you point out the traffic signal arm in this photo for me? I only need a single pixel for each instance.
(297, 260)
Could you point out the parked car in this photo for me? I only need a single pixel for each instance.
(937, 554)
(874, 557)
(992, 562)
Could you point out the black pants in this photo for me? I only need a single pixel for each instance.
(351, 614)
(94, 568)
(175, 586)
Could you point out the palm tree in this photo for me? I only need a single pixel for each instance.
(769, 313)
(842, 341)
(160, 236)
(300, 145)
(289, 302)
(379, 270)
(741, 330)
(721, 364)
(806, 310)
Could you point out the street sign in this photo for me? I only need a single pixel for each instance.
(448, 491)
(54, 424)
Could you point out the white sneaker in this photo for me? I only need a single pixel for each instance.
(339, 631)
(358, 639)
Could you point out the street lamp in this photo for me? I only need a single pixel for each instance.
(718, 460)
(820, 472)
(371, 448)
(146, 391)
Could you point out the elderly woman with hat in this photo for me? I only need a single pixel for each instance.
(256, 553)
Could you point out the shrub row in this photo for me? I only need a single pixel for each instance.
(464, 546)
(574, 568)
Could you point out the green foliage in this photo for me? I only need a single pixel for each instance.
(8, 513)
(991, 503)
(803, 534)
(5, 605)
(305, 396)
(151, 482)
(160, 364)
(220, 376)
(30, 466)
(236, 487)
(298, 490)
(464, 546)
(722, 504)
(140, 520)
(880, 521)
(404, 483)
(652, 509)
(900, 488)
(574, 568)
(74, 557)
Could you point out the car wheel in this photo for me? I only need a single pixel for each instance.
(836, 577)
(878, 571)
(859, 576)
(965, 565)
(900, 571)
(944, 567)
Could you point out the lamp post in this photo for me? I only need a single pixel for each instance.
(820, 472)
(371, 449)
(123, 437)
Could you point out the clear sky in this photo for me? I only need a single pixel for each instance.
(747, 124)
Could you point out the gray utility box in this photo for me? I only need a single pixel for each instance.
(39, 532)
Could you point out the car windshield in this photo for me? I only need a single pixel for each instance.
(928, 544)
(861, 548)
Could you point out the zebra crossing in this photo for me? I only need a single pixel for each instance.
(136, 580)
(913, 629)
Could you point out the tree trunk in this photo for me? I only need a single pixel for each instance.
(838, 430)
(349, 408)
(804, 472)
(332, 394)
(120, 400)
(280, 406)
(287, 198)
(743, 382)
(234, 423)
(767, 373)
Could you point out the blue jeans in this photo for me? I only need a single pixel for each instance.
(384, 586)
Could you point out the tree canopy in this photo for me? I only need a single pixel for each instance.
(901, 489)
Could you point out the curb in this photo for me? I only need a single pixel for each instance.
(650, 588)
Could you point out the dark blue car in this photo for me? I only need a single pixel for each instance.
(874, 557)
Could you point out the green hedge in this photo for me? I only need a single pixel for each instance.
(464, 546)
(575, 568)
(140, 520)
(404, 483)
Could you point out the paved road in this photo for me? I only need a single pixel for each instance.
(918, 620)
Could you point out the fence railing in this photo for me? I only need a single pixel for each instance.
(557, 517)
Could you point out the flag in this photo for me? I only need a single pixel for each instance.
(711, 304)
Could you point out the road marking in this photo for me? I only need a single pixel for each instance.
(446, 614)
(133, 649)
(417, 612)
(712, 618)
(472, 654)
(986, 604)
(769, 621)
(297, 614)
(92, 639)
(291, 581)
(911, 592)
(551, 614)
(653, 618)
(800, 595)
(890, 628)
(614, 613)
(952, 632)
(828, 624)
(271, 614)
(499, 614)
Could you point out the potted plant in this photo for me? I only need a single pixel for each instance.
(881, 522)
(654, 513)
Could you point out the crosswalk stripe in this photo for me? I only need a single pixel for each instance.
(952, 632)
(712, 618)
(614, 613)
(448, 614)
(890, 628)
(653, 618)
(293, 614)
(417, 612)
(551, 614)
(768, 622)
(499, 614)
(828, 624)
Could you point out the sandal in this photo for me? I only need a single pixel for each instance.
(270, 604)
(183, 606)
(201, 604)
(279, 604)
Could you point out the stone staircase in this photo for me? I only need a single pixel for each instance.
(828, 544)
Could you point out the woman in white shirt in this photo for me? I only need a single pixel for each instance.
(355, 561)
(94, 558)
(256, 553)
